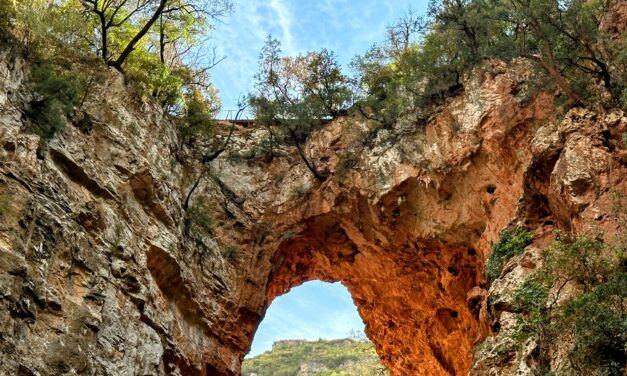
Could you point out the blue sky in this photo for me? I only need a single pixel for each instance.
(311, 311)
(347, 27)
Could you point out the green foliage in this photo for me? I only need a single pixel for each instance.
(5, 205)
(623, 99)
(151, 77)
(346, 162)
(595, 316)
(7, 14)
(423, 61)
(197, 218)
(531, 299)
(599, 322)
(511, 243)
(537, 83)
(163, 61)
(50, 30)
(297, 93)
(380, 96)
(55, 96)
(294, 95)
(339, 357)
(266, 148)
(197, 121)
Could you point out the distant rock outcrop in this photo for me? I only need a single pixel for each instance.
(345, 357)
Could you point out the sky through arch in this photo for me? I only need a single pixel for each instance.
(311, 311)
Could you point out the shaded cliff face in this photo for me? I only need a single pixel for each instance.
(99, 274)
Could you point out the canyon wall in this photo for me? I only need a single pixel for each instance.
(102, 272)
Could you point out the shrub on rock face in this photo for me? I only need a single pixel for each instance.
(579, 292)
(54, 98)
(197, 219)
(511, 243)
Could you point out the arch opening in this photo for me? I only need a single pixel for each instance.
(311, 311)
(313, 328)
(410, 292)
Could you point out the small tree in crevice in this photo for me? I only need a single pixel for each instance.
(54, 97)
(512, 242)
(202, 121)
(295, 95)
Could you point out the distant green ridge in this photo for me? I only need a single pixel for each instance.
(341, 357)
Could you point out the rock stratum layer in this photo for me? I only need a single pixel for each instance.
(100, 276)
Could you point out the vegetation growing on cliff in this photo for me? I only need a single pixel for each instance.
(344, 357)
(54, 97)
(296, 94)
(511, 243)
(578, 297)
(424, 60)
(157, 44)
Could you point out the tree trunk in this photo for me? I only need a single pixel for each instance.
(557, 77)
(131, 45)
(310, 165)
(103, 32)
(213, 156)
(161, 41)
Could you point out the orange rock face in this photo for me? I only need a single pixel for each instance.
(411, 247)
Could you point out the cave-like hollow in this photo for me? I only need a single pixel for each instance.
(412, 295)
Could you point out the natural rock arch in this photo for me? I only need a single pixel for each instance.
(411, 246)
(407, 230)
(414, 292)
(413, 300)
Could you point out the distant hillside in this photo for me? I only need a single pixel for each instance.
(343, 357)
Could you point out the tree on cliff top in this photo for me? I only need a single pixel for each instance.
(121, 24)
(424, 60)
(563, 38)
(158, 44)
(296, 94)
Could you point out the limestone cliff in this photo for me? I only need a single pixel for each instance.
(99, 274)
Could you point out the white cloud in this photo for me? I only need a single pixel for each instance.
(284, 18)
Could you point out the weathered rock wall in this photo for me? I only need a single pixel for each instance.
(100, 275)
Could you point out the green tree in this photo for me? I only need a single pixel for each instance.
(7, 14)
(423, 61)
(580, 290)
(122, 24)
(296, 94)
(50, 30)
(563, 38)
